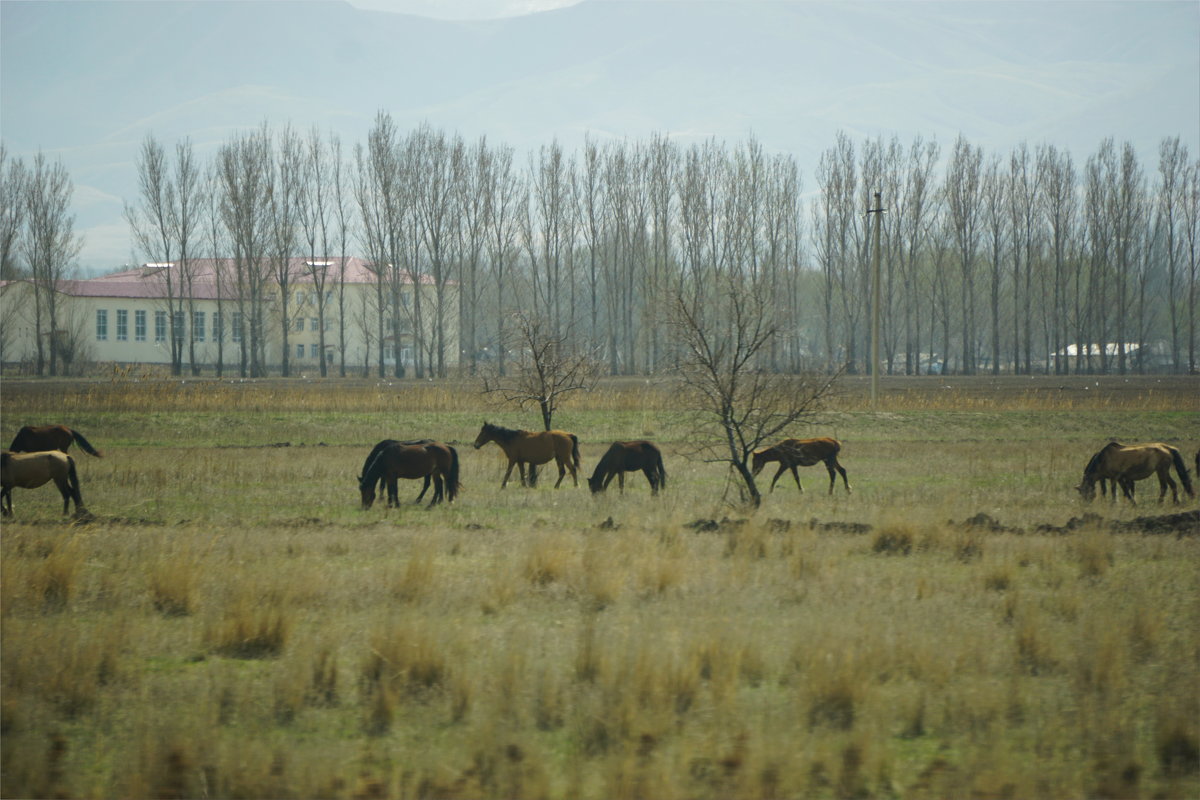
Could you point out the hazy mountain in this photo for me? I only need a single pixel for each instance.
(87, 80)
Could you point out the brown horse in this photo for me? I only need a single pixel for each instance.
(625, 457)
(423, 459)
(792, 453)
(1124, 464)
(528, 447)
(32, 439)
(31, 470)
(393, 494)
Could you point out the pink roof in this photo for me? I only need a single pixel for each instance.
(148, 281)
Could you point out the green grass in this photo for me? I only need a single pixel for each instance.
(231, 624)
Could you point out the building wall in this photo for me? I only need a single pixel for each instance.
(135, 330)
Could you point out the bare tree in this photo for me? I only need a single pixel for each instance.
(247, 182)
(839, 237)
(726, 331)
(12, 212)
(1172, 171)
(153, 222)
(1058, 204)
(49, 247)
(185, 219)
(503, 201)
(963, 181)
(547, 369)
(1190, 212)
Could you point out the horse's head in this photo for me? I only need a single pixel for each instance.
(1087, 488)
(367, 491)
(596, 484)
(485, 435)
(758, 460)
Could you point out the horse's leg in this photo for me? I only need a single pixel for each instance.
(778, 472)
(650, 476)
(1127, 489)
(562, 472)
(6, 502)
(65, 490)
(438, 488)
(424, 489)
(1165, 480)
(508, 474)
(796, 475)
(621, 481)
(832, 475)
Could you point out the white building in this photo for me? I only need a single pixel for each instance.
(125, 317)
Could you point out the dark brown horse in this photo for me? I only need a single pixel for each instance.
(1124, 464)
(31, 470)
(393, 494)
(792, 453)
(32, 439)
(625, 457)
(422, 460)
(533, 448)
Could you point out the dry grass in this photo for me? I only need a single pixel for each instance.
(232, 625)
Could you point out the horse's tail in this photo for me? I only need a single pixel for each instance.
(452, 484)
(73, 484)
(84, 444)
(1182, 469)
(575, 449)
(660, 469)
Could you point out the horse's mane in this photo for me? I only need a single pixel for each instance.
(502, 433)
(1094, 464)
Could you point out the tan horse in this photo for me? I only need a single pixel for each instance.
(1124, 464)
(792, 453)
(31, 439)
(31, 470)
(533, 448)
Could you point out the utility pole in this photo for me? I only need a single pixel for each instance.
(876, 293)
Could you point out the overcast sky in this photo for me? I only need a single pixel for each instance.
(463, 9)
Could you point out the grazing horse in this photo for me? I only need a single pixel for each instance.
(1124, 464)
(422, 459)
(31, 470)
(32, 439)
(625, 457)
(528, 447)
(392, 490)
(792, 453)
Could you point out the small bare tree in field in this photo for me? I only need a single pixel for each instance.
(738, 404)
(545, 371)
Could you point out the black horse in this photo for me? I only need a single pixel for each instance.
(424, 459)
(625, 457)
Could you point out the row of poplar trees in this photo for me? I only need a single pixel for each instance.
(988, 262)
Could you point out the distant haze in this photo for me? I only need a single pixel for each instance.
(86, 81)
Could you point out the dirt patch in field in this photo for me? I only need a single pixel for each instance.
(1185, 523)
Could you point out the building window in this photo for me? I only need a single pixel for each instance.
(299, 298)
(139, 326)
(298, 325)
(218, 326)
(299, 351)
(101, 325)
(160, 326)
(122, 325)
(235, 331)
(198, 325)
(313, 324)
(312, 350)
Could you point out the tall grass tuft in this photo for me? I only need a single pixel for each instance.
(250, 631)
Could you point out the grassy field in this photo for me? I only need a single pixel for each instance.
(231, 624)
